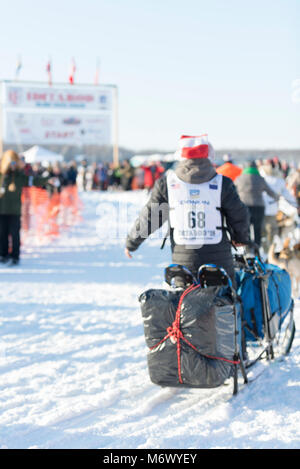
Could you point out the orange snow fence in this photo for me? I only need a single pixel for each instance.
(48, 215)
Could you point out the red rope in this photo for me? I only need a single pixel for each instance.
(175, 334)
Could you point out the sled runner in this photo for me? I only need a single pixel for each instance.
(201, 330)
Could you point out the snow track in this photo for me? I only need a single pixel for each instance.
(73, 357)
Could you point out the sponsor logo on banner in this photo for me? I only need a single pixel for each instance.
(15, 96)
(72, 121)
(194, 193)
(47, 122)
(39, 96)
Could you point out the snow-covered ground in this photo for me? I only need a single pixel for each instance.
(73, 357)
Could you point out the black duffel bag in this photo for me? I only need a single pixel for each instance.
(193, 335)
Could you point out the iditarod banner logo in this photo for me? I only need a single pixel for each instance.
(96, 98)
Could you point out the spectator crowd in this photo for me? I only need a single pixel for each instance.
(270, 188)
(262, 186)
(104, 176)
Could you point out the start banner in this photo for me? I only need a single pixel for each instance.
(63, 114)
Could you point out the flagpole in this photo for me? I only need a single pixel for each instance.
(49, 71)
(72, 73)
(116, 129)
(96, 80)
(18, 68)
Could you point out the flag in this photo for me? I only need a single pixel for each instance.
(72, 72)
(18, 68)
(48, 70)
(97, 73)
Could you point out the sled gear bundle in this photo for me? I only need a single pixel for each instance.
(278, 298)
(194, 334)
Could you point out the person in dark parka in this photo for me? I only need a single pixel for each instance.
(12, 181)
(212, 207)
(250, 186)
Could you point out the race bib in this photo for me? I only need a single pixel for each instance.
(194, 210)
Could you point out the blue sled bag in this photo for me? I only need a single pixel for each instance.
(279, 295)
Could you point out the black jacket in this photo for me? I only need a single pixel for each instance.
(11, 200)
(234, 214)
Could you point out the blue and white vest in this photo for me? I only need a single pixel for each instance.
(195, 210)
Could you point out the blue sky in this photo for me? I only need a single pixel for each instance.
(222, 67)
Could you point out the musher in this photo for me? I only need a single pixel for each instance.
(205, 213)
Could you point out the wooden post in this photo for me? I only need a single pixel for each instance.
(1, 125)
(116, 128)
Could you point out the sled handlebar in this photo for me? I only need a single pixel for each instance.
(255, 248)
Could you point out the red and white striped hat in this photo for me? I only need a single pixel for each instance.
(195, 147)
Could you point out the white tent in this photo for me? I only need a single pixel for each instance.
(139, 160)
(37, 154)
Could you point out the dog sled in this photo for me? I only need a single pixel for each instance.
(265, 292)
(202, 332)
